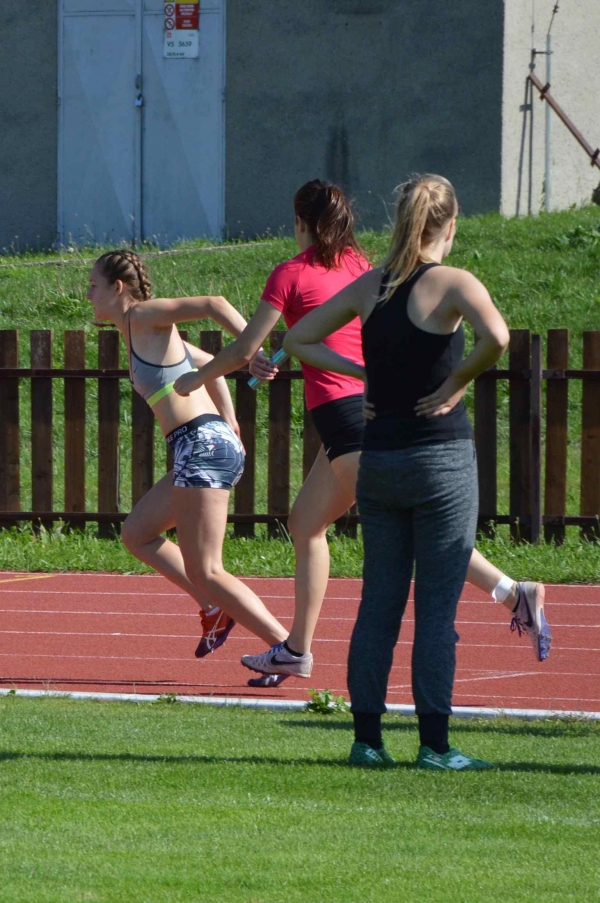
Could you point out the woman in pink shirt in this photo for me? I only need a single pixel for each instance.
(330, 258)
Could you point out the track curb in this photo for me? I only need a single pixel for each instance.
(282, 705)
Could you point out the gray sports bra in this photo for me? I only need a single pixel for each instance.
(155, 381)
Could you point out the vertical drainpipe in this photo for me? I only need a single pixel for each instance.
(138, 100)
(223, 226)
(60, 239)
(548, 112)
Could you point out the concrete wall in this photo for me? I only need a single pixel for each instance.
(28, 124)
(575, 59)
(362, 92)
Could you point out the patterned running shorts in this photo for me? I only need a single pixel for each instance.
(206, 454)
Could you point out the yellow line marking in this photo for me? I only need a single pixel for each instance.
(18, 579)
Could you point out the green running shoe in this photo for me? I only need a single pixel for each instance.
(364, 756)
(453, 760)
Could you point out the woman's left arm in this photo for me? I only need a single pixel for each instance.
(471, 300)
(304, 340)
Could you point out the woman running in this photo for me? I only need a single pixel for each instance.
(417, 485)
(330, 258)
(208, 457)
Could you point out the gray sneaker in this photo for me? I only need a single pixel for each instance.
(277, 660)
(528, 616)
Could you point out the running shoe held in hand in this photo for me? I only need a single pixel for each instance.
(528, 616)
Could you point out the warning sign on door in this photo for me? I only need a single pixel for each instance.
(182, 30)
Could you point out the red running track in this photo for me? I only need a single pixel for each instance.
(137, 634)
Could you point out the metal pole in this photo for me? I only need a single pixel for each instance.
(548, 126)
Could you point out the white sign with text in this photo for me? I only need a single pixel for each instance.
(181, 44)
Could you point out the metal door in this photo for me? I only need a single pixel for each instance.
(183, 133)
(141, 138)
(99, 155)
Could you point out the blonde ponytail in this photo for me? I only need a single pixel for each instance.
(425, 205)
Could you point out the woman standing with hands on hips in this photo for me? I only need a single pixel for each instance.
(417, 484)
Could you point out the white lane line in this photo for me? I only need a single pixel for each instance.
(30, 577)
(584, 699)
(358, 580)
(245, 639)
(159, 614)
(278, 596)
(321, 666)
(468, 680)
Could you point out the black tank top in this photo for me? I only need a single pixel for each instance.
(403, 364)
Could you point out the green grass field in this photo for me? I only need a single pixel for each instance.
(153, 803)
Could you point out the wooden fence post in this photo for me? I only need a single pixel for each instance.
(10, 450)
(142, 447)
(311, 443)
(211, 341)
(590, 437)
(245, 491)
(108, 431)
(280, 409)
(535, 466)
(41, 424)
(520, 435)
(486, 443)
(74, 452)
(557, 405)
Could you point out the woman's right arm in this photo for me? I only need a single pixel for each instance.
(235, 355)
(305, 339)
(160, 312)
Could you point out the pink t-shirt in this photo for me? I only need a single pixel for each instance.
(298, 286)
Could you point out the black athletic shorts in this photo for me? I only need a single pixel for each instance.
(340, 425)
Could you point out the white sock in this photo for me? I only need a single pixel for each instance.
(503, 589)
(212, 612)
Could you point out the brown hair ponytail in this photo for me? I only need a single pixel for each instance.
(426, 204)
(128, 267)
(328, 215)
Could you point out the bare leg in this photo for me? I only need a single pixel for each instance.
(328, 492)
(141, 534)
(201, 518)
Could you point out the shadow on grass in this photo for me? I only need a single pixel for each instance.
(8, 756)
(530, 767)
(562, 729)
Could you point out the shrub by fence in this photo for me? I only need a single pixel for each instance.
(527, 417)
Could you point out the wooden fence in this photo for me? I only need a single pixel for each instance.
(525, 378)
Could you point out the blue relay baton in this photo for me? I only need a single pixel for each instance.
(278, 358)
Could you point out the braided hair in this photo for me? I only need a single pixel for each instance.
(128, 267)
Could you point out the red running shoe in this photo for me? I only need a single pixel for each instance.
(216, 627)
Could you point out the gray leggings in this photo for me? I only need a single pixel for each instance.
(417, 506)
